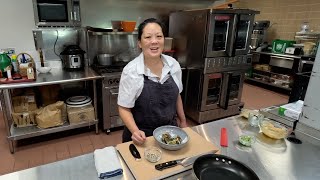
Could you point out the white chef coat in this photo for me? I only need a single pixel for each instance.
(132, 79)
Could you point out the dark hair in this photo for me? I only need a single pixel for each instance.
(147, 21)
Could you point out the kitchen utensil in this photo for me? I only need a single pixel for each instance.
(174, 132)
(152, 154)
(183, 161)
(105, 59)
(41, 57)
(134, 151)
(73, 57)
(221, 167)
(224, 140)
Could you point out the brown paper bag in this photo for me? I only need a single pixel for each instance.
(51, 115)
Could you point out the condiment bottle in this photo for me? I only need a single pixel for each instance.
(14, 63)
(30, 72)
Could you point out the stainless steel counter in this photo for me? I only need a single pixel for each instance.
(56, 76)
(270, 159)
(276, 54)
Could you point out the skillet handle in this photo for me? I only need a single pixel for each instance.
(165, 165)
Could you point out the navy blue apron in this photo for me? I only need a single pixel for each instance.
(155, 107)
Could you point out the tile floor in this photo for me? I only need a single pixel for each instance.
(47, 149)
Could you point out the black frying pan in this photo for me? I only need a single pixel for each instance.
(214, 166)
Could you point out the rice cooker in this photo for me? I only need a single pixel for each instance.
(73, 57)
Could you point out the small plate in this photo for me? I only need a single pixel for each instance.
(78, 100)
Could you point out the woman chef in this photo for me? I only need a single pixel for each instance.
(150, 87)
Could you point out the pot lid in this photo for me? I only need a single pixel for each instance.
(78, 100)
(72, 50)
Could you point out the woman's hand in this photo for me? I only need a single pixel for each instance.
(183, 124)
(138, 137)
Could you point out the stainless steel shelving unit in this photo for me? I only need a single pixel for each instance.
(56, 76)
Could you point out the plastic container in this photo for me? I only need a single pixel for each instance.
(128, 26)
(279, 46)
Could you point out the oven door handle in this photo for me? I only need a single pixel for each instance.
(224, 101)
(113, 91)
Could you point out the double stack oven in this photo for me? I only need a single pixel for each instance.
(212, 46)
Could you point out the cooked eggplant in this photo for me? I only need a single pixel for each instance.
(168, 139)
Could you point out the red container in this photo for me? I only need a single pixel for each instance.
(128, 26)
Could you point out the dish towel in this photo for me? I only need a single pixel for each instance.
(107, 162)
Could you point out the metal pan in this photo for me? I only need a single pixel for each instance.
(215, 166)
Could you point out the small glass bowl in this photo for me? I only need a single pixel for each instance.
(152, 154)
(246, 140)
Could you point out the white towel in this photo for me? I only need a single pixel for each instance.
(107, 162)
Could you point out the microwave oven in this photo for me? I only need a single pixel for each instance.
(57, 13)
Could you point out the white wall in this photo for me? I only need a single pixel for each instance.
(16, 24)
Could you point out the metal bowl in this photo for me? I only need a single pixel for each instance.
(174, 132)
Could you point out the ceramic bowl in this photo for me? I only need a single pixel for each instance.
(174, 132)
(44, 69)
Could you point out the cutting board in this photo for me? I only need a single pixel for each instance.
(144, 169)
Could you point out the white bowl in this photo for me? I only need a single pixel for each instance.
(174, 132)
(43, 69)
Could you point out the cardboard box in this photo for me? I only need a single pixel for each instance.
(80, 114)
(24, 103)
(292, 110)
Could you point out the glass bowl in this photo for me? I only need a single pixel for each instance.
(273, 129)
(152, 154)
(246, 140)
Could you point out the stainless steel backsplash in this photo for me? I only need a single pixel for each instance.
(99, 13)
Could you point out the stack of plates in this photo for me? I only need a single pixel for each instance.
(78, 101)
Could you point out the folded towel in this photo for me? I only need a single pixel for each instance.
(107, 162)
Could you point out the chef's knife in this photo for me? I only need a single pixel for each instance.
(134, 151)
(183, 161)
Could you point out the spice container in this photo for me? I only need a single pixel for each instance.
(152, 154)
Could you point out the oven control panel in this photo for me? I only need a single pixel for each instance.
(219, 64)
(111, 79)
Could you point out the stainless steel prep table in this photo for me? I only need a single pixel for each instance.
(275, 160)
(55, 76)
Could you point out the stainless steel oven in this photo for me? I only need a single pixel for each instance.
(228, 34)
(215, 95)
(221, 90)
(209, 33)
(213, 46)
(108, 91)
(57, 12)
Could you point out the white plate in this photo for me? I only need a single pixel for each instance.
(79, 105)
(78, 100)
